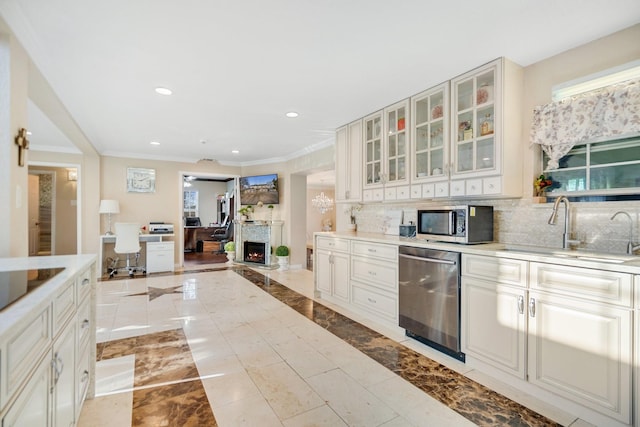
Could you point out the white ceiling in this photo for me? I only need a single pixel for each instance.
(236, 67)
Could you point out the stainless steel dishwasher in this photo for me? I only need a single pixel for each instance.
(430, 297)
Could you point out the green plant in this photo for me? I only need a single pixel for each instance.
(282, 251)
(244, 210)
(230, 246)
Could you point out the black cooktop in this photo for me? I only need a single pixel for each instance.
(16, 284)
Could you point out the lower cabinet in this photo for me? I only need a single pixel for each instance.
(50, 375)
(331, 267)
(160, 257)
(566, 330)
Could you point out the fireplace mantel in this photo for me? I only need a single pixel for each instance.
(268, 232)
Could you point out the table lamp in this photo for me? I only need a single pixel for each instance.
(109, 207)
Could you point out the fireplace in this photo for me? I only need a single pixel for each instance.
(255, 252)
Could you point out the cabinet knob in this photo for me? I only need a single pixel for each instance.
(85, 282)
(85, 324)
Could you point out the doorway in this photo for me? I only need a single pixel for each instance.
(53, 210)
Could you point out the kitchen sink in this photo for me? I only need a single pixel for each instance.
(575, 254)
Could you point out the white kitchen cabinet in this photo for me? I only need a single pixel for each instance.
(636, 410)
(331, 267)
(374, 278)
(485, 132)
(430, 148)
(494, 322)
(46, 340)
(160, 257)
(580, 336)
(349, 163)
(63, 387)
(386, 153)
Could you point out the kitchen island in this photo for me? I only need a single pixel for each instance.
(47, 338)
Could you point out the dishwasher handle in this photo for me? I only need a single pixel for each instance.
(433, 260)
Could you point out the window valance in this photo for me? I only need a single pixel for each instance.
(606, 113)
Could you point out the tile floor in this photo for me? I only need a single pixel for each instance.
(233, 347)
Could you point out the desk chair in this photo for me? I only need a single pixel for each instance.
(223, 235)
(128, 242)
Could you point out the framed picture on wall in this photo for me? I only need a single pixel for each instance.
(141, 180)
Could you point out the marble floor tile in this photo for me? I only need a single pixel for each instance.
(240, 346)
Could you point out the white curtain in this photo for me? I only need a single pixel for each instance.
(609, 112)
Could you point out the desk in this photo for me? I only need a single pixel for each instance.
(193, 234)
(144, 238)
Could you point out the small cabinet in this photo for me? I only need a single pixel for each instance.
(160, 257)
(372, 142)
(486, 131)
(493, 312)
(349, 163)
(31, 408)
(331, 267)
(430, 141)
(580, 336)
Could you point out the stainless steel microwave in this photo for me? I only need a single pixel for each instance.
(459, 224)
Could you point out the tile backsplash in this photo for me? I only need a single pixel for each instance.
(521, 222)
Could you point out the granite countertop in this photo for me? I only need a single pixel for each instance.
(577, 258)
(39, 298)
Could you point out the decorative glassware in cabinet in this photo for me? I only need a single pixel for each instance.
(373, 150)
(484, 91)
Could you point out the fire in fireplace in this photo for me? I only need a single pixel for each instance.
(255, 252)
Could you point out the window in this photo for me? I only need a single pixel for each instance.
(608, 167)
(190, 203)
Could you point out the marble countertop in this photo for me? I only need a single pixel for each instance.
(12, 316)
(577, 258)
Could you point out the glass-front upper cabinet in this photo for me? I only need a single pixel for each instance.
(396, 143)
(473, 121)
(430, 136)
(373, 149)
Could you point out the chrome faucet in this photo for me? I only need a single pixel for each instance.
(567, 221)
(631, 248)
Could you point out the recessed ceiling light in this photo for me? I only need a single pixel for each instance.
(163, 91)
(235, 151)
(291, 114)
(154, 143)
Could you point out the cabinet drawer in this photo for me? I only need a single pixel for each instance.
(64, 305)
(378, 250)
(84, 324)
(441, 189)
(159, 246)
(586, 283)
(23, 351)
(83, 285)
(332, 244)
(381, 274)
(501, 270)
(377, 302)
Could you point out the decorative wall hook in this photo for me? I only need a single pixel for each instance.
(23, 144)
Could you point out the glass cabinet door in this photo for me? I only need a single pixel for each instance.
(431, 123)
(396, 143)
(475, 148)
(373, 149)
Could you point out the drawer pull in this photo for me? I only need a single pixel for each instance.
(371, 300)
(85, 324)
(532, 307)
(373, 251)
(521, 304)
(372, 273)
(85, 376)
(85, 282)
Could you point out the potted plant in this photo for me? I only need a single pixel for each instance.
(282, 253)
(540, 186)
(244, 212)
(230, 249)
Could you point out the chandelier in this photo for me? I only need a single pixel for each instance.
(322, 203)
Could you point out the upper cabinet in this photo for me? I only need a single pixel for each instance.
(386, 158)
(349, 163)
(430, 143)
(486, 124)
(461, 138)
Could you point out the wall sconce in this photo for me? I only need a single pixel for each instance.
(72, 175)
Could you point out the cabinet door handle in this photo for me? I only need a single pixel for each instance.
(521, 304)
(85, 324)
(372, 250)
(532, 307)
(57, 371)
(85, 282)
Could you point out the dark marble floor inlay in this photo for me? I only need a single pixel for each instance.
(472, 400)
(167, 387)
(154, 293)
